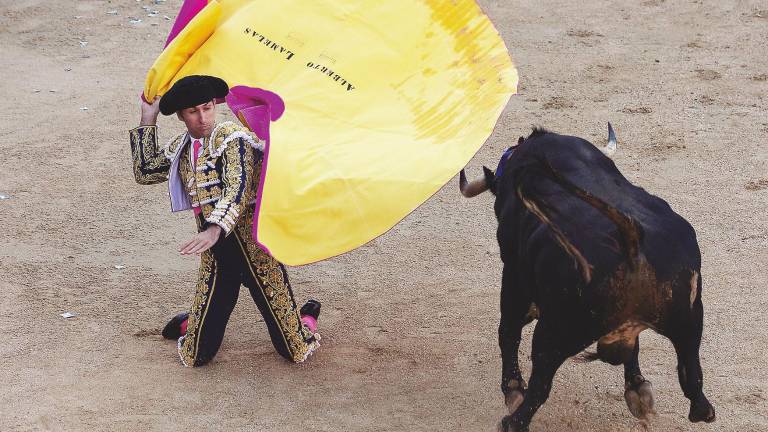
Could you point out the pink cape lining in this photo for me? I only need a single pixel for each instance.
(256, 108)
(188, 10)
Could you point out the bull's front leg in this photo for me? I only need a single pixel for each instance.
(512, 383)
(550, 350)
(514, 310)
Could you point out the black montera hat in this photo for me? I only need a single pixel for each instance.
(192, 90)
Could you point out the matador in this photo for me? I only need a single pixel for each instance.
(213, 169)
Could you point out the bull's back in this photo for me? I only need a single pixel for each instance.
(668, 241)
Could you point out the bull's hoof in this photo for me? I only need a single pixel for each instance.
(514, 394)
(701, 411)
(509, 425)
(513, 399)
(639, 397)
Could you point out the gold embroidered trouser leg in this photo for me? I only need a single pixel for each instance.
(234, 260)
(218, 287)
(267, 280)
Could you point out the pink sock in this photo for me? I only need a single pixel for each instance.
(310, 322)
(183, 327)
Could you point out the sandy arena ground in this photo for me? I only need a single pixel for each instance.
(409, 321)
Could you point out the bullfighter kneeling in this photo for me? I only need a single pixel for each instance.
(214, 170)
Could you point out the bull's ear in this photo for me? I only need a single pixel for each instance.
(520, 140)
(490, 179)
(489, 174)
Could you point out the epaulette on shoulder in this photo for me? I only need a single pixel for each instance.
(226, 132)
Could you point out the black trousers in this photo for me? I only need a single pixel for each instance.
(233, 261)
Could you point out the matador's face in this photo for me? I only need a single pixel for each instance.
(199, 119)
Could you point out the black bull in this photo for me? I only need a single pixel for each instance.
(593, 258)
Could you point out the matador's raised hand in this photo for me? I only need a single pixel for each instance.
(149, 112)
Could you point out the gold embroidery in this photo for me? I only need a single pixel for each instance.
(238, 182)
(226, 189)
(272, 280)
(238, 187)
(172, 147)
(149, 165)
(203, 293)
(185, 173)
(270, 277)
(206, 193)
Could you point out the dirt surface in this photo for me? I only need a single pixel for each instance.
(409, 321)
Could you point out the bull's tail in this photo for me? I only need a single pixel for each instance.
(630, 231)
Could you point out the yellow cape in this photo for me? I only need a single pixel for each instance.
(384, 102)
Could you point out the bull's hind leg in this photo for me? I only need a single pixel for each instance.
(686, 337)
(637, 390)
(691, 380)
(514, 315)
(550, 350)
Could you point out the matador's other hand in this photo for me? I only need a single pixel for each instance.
(202, 241)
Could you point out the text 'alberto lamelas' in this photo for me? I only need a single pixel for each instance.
(336, 77)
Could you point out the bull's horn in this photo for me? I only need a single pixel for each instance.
(473, 188)
(610, 148)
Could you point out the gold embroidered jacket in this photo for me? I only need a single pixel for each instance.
(223, 181)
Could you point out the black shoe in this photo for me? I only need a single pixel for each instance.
(172, 330)
(311, 308)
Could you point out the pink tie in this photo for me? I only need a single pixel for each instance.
(196, 144)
